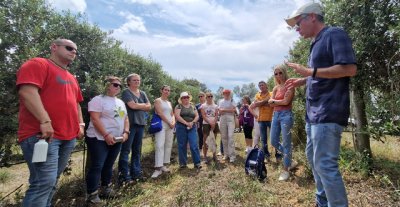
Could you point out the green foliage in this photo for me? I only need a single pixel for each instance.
(28, 28)
(353, 161)
(373, 25)
(246, 90)
(298, 54)
(4, 176)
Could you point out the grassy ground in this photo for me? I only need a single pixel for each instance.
(225, 184)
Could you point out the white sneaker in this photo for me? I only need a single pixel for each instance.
(284, 176)
(219, 154)
(165, 169)
(156, 173)
(293, 165)
(232, 160)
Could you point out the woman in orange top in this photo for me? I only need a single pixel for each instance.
(282, 120)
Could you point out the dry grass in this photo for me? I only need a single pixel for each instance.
(225, 184)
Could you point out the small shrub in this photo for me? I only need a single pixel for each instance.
(355, 161)
(4, 176)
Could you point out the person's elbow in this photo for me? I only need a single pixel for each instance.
(352, 70)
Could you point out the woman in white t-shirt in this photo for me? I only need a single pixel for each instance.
(163, 138)
(108, 127)
(227, 108)
(209, 112)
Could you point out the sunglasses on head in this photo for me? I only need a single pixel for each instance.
(116, 85)
(69, 48)
(280, 73)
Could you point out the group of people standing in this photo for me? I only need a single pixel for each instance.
(50, 110)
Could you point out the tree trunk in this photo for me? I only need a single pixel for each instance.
(362, 138)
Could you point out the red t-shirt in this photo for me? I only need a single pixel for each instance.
(60, 94)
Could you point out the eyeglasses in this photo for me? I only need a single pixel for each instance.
(185, 97)
(302, 17)
(69, 48)
(278, 73)
(209, 96)
(116, 85)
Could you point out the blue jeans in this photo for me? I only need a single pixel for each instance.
(133, 143)
(322, 150)
(102, 158)
(282, 121)
(264, 125)
(44, 175)
(184, 135)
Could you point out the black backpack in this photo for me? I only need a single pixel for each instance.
(255, 165)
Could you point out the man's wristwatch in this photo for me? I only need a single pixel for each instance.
(126, 132)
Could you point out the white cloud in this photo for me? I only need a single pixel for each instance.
(133, 24)
(72, 5)
(222, 44)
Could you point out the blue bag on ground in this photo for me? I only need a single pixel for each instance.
(255, 165)
(155, 124)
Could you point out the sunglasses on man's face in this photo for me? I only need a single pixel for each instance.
(116, 85)
(69, 48)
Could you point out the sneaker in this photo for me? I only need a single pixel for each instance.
(182, 166)
(140, 179)
(293, 165)
(284, 176)
(198, 166)
(232, 160)
(156, 173)
(225, 158)
(165, 169)
(219, 154)
(94, 198)
(107, 192)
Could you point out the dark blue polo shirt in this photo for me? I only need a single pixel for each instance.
(328, 99)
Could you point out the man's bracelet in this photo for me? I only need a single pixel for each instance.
(314, 72)
(45, 122)
(82, 124)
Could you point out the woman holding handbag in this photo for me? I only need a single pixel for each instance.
(163, 138)
(209, 111)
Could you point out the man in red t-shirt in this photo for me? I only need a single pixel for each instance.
(49, 109)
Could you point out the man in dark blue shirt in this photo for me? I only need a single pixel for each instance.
(331, 64)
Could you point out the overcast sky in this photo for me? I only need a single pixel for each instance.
(218, 42)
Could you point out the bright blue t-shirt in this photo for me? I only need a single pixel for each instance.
(328, 99)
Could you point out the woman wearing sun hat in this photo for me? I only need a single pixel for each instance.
(186, 116)
(227, 109)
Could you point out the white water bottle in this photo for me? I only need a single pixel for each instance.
(40, 151)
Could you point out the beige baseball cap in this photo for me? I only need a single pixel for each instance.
(309, 8)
